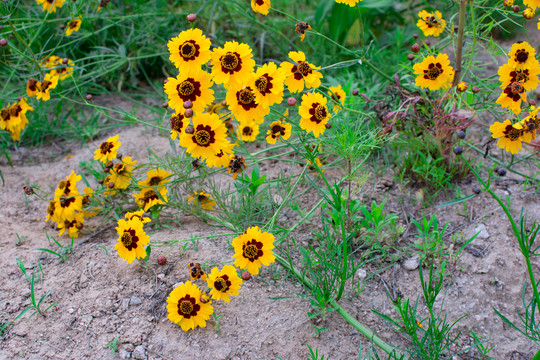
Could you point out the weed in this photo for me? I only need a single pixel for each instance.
(113, 345)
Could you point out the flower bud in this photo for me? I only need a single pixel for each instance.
(188, 113)
(191, 18)
(462, 86)
(458, 150)
(3, 42)
(246, 275)
(475, 89)
(410, 57)
(88, 97)
(528, 13)
(355, 92)
(188, 104)
(291, 101)
(415, 48)
(161, 260)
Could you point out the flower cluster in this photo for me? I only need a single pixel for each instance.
(510, 136)
(189, 307)
(196, 121)
(517, 76)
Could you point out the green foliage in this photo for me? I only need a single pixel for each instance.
(430, 239)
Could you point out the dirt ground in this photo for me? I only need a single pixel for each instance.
(98, 297)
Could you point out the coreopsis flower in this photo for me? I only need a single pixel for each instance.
(137, 215)
(269, 86)
(13, 118)
(318, 163)
(337, 94)
(314, 113)
(67, 198)
(508, 3)
(252, 249)
(527, 77)
(58, 68)
(185, 308)
(51, 5)
(351, 3)
(72, 226)
(302, 74)
(189, 50)
(207, 138)
(510, 136)
(301, 28)
(224, 283)
(221, 158)
(279, 130)
(462, 86)
(121, 172)
(156, 178)
(434, 73)
(89, 212)
(261, 6)
(204, 200)
(431, 23)
(241, 102)
(192, 84)
(103, 4)
(51, 212)
(149, 197)
(108, 150)
(236, 165)
(131, 240)
(195, 271)
(534, 4)
(248, 131)
(232, 64)
(31, 87)
(73, 25)
(528, 13)
(44, 88)
(522, 55)
(512, 96)
(178, 123)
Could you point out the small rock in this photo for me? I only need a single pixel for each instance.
(411, 263)
(481, 231)
(139, 353)
(128, 347)
(124, 354)
(161, 277)
(135, 300)
(71, 310)
(361, 274)
(125, 304)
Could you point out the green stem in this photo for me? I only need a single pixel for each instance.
(537, 356)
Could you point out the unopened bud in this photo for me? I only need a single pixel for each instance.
(246, 275)
(3, 42)
(190, 130)
(191, 17)
(161, 260)
(355, 92)
(291, 101)
(88, 97)
(188, 113)
(188, 105)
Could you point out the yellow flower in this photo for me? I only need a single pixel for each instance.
(319, 165)
(279, 130)
(232, 64)
(58, 68)
(121, 172)
(107, 150)
(252, 249)
(434, 73)
(269, 85)
(510, 136)
(189, 50)
(156, 178)
(431, 23)
(137, 215)
(13, 118)
(149, 197)
(191, 84)
(528, 13)
(224, 283)
(314, 113)
(207, 138)
(261, 6)
(351, 3)
(185, 307)
(73, 25)
(302, 74)
(178, 123)
(31, 87)
(241, 102)
(248, 131)
(203, 199)
(337, 94)
(67, 198)
(532, 3)
(522, 55)
(222, 157)
(131, 240)
(528, 77)
(51, 5)
(195, 271)
(512, 96)
(51, 212)
(44, 88)
(72, 226)
(301, 28)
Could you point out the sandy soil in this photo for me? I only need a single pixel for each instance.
(98, 296)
